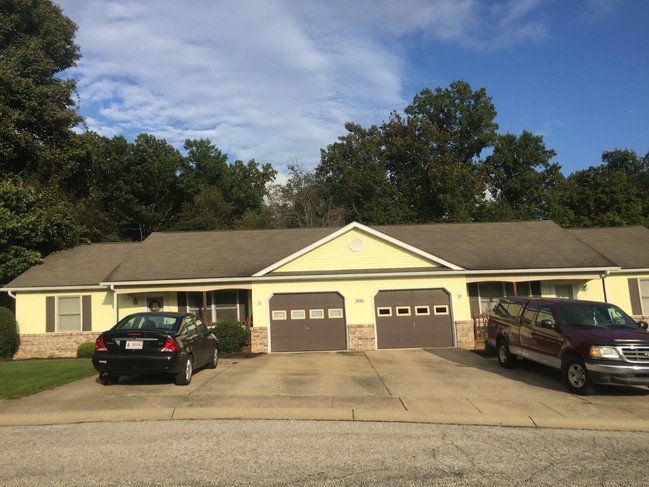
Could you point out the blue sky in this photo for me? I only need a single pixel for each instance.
(275, 80)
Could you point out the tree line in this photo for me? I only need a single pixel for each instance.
(60, 187)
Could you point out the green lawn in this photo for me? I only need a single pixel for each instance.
(26, 377)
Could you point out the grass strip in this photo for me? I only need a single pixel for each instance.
(26, 377)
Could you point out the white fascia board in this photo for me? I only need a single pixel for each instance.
(166, 282)
(53, 288)
(560, 270)
(363, 228)
(621, 270)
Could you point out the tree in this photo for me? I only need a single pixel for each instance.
(37, 108)
(302, 202)
(21, 229)
(601, 196)
(521, 180)
(354, 177)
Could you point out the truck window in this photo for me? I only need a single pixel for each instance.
(545, 313)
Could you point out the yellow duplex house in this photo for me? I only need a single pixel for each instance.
(351, 288)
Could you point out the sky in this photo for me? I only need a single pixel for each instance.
(276, 80)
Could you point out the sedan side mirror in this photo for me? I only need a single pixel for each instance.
(643, 325)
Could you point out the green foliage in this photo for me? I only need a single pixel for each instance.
(232, 336)
(86, 350)
(8, 333)
(21, 378)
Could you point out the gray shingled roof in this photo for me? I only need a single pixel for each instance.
(626, 246)
(85, 265)
(200, 255)
(501, 245)
(233, 254)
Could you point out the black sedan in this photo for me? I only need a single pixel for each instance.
(155, 343)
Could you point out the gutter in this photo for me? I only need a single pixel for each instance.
(370, 275)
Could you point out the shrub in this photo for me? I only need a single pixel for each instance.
(8, 337)
(85, 350)
(232, 336)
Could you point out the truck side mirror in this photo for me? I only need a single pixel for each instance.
(546, 324)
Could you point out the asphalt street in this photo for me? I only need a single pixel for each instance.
(323, 453)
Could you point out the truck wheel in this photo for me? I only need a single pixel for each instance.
(576, 377)
(505, 357)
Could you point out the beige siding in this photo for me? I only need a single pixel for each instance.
(359, 295)
(374, 254)
(618, 290)
(30, 310)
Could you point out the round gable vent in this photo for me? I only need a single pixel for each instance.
(355, 244)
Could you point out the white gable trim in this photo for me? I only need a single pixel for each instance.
(363, 228)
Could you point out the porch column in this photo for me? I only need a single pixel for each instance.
(515, 289)
(204, 307)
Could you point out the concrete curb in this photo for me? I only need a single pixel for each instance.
(304, 414)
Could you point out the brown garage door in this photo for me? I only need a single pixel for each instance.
(413, 318)
(307, 321)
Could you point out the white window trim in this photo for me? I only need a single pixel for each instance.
(335, 313)
(424, 313)
(279, 314)
(58, 313)
(295, 317)
(402, 308)
(440, 309)
(320, 311)
(384, 308)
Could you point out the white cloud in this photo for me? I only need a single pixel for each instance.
(270, 80)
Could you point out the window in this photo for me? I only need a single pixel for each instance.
(441, 310)
(545, 313)
(316, 314)
(69, 313)
(384, 311)
(403, 310)
(279, 314)
(644, 295)
(422, 310)
(563, 291)
(298, 314)
(335, 313)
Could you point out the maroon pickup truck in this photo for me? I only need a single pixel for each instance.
(590, 342)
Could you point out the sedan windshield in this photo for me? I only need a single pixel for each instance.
(595, 315)
(149, 321)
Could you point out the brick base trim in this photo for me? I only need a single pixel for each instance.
(465, 334)
(52, 345)
(361, 337)
(259, 340)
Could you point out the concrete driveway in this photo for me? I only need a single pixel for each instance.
(449, 386)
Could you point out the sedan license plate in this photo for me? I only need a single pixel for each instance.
(134, 344)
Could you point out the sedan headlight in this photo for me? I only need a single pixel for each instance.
(604, 352)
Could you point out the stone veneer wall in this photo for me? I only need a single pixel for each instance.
(52, 345)
(465, 334)
(361, 337)
(259, 340)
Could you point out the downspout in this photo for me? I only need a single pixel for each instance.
(604, 286)
(112, 288)
(12, 295)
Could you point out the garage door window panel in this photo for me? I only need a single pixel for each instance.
(384, 311)
(403, 310)
(441, 310)
(335, 313)
(279, 314)
(298, 314)
(316, 314)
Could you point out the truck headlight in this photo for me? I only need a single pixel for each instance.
(604, 352)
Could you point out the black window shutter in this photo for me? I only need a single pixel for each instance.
(50, 317)
(86, 313)
(634, 294)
